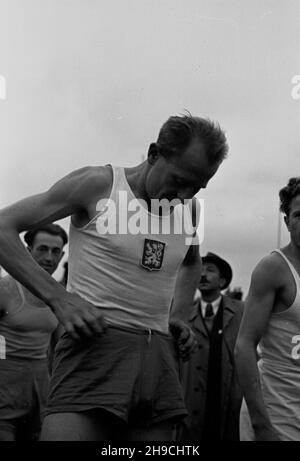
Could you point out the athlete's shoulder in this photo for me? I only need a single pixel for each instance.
(92, 176)
(83, 184)
(269, 270)
(272, 261)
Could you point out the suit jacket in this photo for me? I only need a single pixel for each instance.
(194, 375)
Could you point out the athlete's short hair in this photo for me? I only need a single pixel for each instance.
(288, 193)
(178, 131)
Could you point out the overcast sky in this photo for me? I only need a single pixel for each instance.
(90, 82)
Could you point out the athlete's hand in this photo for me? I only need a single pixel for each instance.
(266, 434)
(185, 338)
(79, 318)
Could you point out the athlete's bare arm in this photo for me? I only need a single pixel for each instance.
(186, 283)
(189, 273)
(76, 195)
(265, 284)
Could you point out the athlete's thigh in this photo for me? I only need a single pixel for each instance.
(164, 431)
(83, 426)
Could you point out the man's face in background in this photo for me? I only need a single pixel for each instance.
(47, 250)
(211, 279)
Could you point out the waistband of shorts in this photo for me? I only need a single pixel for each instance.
(24, 360)
(139, 331)
(23, 363)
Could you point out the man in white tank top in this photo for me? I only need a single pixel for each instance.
(27, 325)
(272, 321)
(102, 291)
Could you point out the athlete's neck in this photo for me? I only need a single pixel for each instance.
(136, 179)
(293, 251)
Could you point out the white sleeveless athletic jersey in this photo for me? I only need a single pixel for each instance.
(26, 329)
(130, 277)
(280, 366)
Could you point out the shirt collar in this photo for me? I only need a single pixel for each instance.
(215, 305)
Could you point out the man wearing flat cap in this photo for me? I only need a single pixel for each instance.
(212, 393)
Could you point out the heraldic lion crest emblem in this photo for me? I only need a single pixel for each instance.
(153, 254)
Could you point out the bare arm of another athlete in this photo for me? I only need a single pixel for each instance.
(72, 195)
(258, 308)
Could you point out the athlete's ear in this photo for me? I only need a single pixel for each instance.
(153, 153)
(287, 222)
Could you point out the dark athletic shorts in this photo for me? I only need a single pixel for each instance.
(130, 373)
(23, 392)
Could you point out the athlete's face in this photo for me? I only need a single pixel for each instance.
(211, 280)
(47, 250)
(179, 177)
(293, 221)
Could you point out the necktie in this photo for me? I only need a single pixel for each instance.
(209, 312)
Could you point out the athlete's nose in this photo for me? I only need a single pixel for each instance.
(49, 256)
